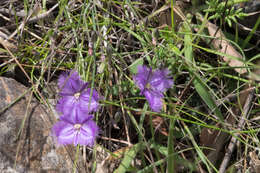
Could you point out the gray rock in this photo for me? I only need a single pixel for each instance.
(34, 149)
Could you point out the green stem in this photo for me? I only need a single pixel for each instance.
(170, 161)
(76, 160)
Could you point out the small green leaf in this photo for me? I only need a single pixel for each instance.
(135, 64)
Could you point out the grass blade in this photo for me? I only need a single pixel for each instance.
(199, 84)
(129, 156)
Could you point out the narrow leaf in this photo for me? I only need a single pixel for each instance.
(128, 158)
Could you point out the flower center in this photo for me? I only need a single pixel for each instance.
(77, 126)
(76, 95)
(148, 86)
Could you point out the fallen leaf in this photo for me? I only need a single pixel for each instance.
(7, 44)
(223, 45)
(255, 162)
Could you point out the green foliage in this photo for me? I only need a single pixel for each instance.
(226, 11)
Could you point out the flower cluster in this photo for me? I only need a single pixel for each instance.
(152, 85)
(76, 105)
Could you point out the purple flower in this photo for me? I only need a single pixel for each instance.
(152, 85)
(70, 83)
(76, 103)
(76, 129)
(154, 99)
(75, 95)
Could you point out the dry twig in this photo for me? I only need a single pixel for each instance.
(241, 123)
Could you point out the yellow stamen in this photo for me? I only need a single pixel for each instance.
(77, 126)
(77, 95)
(148, 86)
